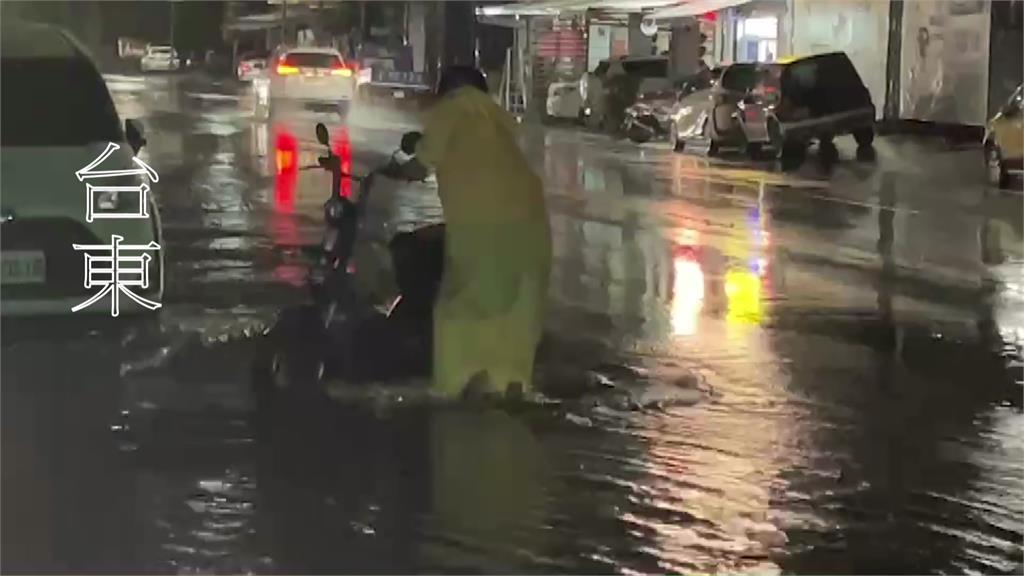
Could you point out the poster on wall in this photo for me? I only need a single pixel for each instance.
(944, 61)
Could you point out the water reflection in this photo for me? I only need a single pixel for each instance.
(687, 291)
(743, 295)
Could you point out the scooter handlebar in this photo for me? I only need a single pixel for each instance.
(322, 167)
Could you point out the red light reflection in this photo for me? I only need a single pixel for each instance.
(342, 146)
(286, 152)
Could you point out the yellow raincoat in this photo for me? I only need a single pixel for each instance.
(489, 314)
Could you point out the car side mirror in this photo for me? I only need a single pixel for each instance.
(134, 135)
(322, 135)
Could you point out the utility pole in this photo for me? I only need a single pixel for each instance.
(172, 24)
(284, 22)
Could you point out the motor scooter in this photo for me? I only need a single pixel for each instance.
(338, 335)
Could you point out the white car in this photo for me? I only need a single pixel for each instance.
(160, 58)
(564, 100)
(312, 78)
(250, 67)
(46, 140)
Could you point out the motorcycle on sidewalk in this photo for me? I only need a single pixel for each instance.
(337, 335)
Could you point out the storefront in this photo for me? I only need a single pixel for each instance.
(941, 62)
(752, 31)
(757, 38)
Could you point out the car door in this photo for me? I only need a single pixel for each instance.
(736, 83)
(691, 110)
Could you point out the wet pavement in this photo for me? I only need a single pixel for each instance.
(822, 372)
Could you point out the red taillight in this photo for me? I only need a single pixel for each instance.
(341, 70)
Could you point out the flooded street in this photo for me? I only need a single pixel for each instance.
(816, 372)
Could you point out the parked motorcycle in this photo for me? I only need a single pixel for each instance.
(338, 335)
(650, 117)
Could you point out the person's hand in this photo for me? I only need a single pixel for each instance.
(401, 157)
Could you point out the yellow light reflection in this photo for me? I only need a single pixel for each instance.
(687, 294)
(743, 293)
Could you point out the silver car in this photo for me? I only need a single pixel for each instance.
(160, 59)
(728, 112)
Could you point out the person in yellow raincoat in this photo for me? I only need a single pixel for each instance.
(489, 314)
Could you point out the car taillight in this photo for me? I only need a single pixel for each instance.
(284, 69)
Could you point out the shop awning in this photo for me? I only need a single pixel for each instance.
(267, 21)
(694, 8)
(555, 7)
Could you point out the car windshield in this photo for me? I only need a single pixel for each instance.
(37, 112)
(312, 59)
(655, 68)
(161, 51)
(827, 84)
(745, 77)
(655, 87)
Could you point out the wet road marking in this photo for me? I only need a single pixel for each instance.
(213, 96)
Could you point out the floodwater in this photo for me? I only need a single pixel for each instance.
(813, 372)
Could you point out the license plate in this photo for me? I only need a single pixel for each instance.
(23, 267)
(398, 94)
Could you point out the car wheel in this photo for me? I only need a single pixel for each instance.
(864, 137)
(673, 138)
(638, 135)
(791, 155)
(713, 146)
(827, 151)
(996, 170)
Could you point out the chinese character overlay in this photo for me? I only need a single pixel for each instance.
(117, 268)
(117, 272)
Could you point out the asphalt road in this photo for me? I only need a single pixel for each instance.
(823, 371)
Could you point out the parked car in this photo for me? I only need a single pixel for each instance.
(816, 98)
(251, 65)
(159, 58)
(593, 85)
(1004, 142)
(378, 80)
(722, 110)
(47, 138)
(564, 101)
(313, 78)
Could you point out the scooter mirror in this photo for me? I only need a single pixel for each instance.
(322, 135)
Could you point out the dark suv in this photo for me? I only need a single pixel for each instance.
(817, 98)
